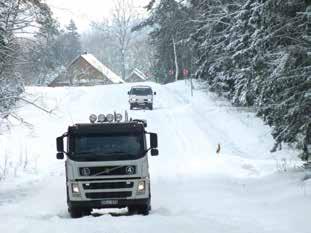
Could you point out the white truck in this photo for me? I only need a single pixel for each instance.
(107, 164)
(141, 96)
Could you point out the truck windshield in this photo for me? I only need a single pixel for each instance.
(141, 91)
(113, 146)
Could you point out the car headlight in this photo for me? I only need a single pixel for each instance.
(141, 186)
(75, 188)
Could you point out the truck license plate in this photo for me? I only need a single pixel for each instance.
(109, 202)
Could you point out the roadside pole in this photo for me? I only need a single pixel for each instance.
(191, 86)
(185, 72)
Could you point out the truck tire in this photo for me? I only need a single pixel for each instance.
(151, 106)
(144, 210)
(131, 210)
(131, 106)
(75, 212)
(141, 209)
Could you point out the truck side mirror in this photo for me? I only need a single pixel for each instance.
(153, 140)
(60, 155)
(154, 93)
(128, 92)
(154, 152)
(60, 144)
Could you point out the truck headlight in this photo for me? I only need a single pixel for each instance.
(75, 188)
(149, 100)
(141, 186)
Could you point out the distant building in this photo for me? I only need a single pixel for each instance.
(136, 76)
(86, 70)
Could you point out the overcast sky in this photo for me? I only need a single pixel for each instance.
(85, 11)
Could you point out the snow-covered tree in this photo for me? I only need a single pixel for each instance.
(72, 48)
(257, 53)
(171, 25)
(51, 51)
(15, 17)
(114, 44)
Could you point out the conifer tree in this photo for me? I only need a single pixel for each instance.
(170, 22)
(72, 47)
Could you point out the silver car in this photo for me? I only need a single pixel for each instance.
(141, 97)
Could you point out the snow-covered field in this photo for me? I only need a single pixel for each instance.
(243, 189)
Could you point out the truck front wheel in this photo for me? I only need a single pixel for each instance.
(144, 210)
(75, 212)
(78, 212)
(140, 209)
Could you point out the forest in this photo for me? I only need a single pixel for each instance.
(256, 53)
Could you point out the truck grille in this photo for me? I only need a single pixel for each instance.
(107, 170)
(108, 195)
(115, 185)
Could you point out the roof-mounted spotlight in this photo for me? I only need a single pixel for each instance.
(93, 118)
(101, 118)
(109, 117)
(144, 122)
(118, 117)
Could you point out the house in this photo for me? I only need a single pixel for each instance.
(136, 76)
(86, 70)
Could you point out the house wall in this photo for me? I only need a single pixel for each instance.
(82, 73)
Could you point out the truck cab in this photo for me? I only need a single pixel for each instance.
(141, 96)
(107, 164)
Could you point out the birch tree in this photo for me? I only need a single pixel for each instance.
(124, 17)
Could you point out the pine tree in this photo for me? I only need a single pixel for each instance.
(171, 21)
(72, 47)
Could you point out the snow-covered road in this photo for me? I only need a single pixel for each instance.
(243, 189)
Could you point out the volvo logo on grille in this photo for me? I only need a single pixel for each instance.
(130, 170)
(85, 171)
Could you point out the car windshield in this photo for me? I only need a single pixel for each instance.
(108, 145)
(141, 91)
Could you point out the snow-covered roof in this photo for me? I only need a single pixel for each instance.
(139, 73)
(92, 60)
